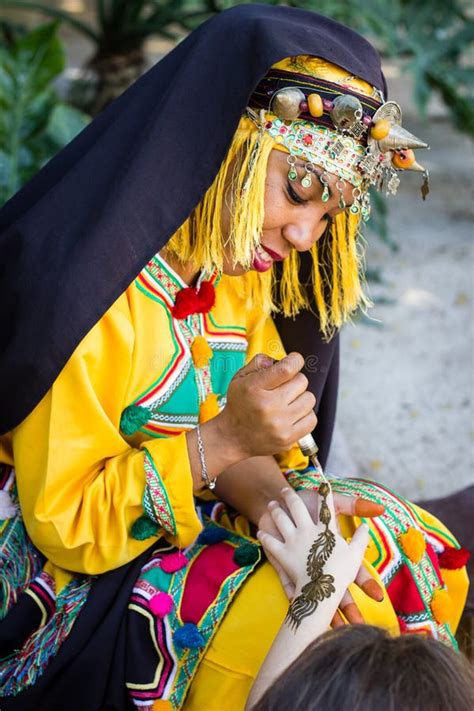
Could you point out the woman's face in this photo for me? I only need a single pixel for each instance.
(295, 217)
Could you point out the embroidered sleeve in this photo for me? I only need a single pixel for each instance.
(308, 478)
(155, 499)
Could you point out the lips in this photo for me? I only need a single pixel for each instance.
(262, 261)
(274, 255)
(264, 258)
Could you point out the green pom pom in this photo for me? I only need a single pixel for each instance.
(246, 554)
(133, 417)
(143, 528)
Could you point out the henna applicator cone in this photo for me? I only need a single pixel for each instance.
(310, 449)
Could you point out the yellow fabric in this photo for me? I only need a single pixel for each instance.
(80, 481)
(321, 69)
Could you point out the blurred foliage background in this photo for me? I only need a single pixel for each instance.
(433, 38)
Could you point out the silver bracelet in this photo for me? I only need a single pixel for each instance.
(210, 483)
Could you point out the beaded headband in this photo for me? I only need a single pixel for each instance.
(359, 138)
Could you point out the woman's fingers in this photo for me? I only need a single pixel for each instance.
(356, 506)
(337, 621)
(301, 406)
(370, 586)
(359, 543)
(350, 610)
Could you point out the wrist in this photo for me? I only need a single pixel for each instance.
(226, 438)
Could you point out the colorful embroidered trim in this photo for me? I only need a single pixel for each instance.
(23, 668)
(20, 561)
(155, 499)
(302, 479)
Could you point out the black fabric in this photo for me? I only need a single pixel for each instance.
(75, 237)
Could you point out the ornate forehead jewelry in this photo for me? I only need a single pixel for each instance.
(358, 138)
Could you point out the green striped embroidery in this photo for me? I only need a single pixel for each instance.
(155, 499)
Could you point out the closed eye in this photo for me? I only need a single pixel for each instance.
(293, 195)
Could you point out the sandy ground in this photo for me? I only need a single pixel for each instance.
(406, 394)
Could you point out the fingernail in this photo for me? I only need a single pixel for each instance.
(285, 489)
(272, 503)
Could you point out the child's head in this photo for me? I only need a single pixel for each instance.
(362, 668)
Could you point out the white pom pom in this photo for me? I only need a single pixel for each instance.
(7, 507)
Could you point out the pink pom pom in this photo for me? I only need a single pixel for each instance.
(161, 604)
(173, 562)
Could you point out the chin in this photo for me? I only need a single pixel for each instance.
(235, 270)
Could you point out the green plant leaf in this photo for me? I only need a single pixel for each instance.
(39, 58)
(65, 122)
(33, 124)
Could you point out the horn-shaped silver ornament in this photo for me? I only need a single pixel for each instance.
(417, 167)
(399, 139)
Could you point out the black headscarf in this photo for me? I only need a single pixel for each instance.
(75, 237)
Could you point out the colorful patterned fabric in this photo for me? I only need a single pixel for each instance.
(165, 651)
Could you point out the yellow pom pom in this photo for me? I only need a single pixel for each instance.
(209, 408)
(162, 705)
(201, 352)
(441, 606)
(412, 544)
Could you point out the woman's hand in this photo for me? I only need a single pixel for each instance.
(268, 406)
(348, 505)
(297, 534)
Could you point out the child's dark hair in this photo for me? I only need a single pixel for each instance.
(362, 668)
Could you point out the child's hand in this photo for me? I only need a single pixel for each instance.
(299, 532)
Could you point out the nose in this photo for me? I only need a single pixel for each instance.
(306, 229)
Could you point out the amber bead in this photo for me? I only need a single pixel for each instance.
(403, 159)
(380, 130)
(315, 105)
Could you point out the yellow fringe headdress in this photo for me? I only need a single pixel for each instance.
(337, 274)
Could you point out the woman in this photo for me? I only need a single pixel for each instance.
(149, 245)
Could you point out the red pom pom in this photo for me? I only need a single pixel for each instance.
(453, 558)
(173, 562)
(191, 301)
(161, 604)
(206, 297)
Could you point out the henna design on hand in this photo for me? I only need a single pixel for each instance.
(321, 585)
